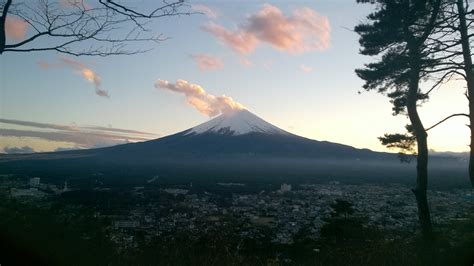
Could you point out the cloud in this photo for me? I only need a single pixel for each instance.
(38, 125)
(117, 130)
(306, 69)
(87, 73)
(241, 41)
(18, 150)
(83, 139)
(81, 136)
(197, 97)
(200, 8)
(15, 28)
(207, 62)
(304, 31)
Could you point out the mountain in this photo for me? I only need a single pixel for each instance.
(235, 134)
(234, 146)
(239, 133)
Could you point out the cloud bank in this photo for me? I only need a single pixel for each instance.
(80, 136)
(202, 101)
(18, 150)
(87, 73)
(305, 30)
(207, 62)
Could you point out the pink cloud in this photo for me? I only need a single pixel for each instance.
(16, 28)
(209, 12)
(87, 73)
(304, 31)
(306, 69)
(207, 62)
(197, 97)
(241, 41)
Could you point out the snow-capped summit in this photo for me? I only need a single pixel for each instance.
(237, 122)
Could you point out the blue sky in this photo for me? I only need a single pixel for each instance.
(322, 103)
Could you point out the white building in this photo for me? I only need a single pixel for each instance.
(285, 188)
(35, 181)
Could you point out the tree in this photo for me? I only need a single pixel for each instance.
(78, 28)
(397, 32)
(468, 75)
(451, 46)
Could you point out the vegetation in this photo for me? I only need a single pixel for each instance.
(398, 33)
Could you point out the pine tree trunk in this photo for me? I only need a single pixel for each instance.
(466, 52)
(422, 158)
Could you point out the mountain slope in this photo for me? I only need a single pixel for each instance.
(240, 133)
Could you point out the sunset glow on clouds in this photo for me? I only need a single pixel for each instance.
(207, 62)
(87, 73)
(197, 97)
(79, 136)
(16, 28)
(304, 31)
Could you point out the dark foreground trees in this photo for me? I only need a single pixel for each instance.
(77, 27)
(397, 33)
(465, 40)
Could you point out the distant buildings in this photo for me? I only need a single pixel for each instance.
(176, 191)
(285, 188)
(35, 182)
(29, 192)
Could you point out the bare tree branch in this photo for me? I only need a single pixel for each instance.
(106, 28)
(443, 120)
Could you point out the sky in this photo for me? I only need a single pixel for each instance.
(290, 62)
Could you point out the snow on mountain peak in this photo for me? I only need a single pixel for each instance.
(237, 122)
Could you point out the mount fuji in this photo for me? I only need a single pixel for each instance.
(234, 146)
(238, 133)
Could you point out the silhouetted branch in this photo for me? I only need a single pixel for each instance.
(105, 28)
(443, 120)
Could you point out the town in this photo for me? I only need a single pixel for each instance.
(157, 211)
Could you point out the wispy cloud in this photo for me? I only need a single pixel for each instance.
(197, 97)
(305, 30)
(83, 139)
(209, 12)
(87, 73)
(306, 69)
(111, 129)
(15, 28)
(38, 125)
(207, 62)
(81, 136)
(18, 150)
